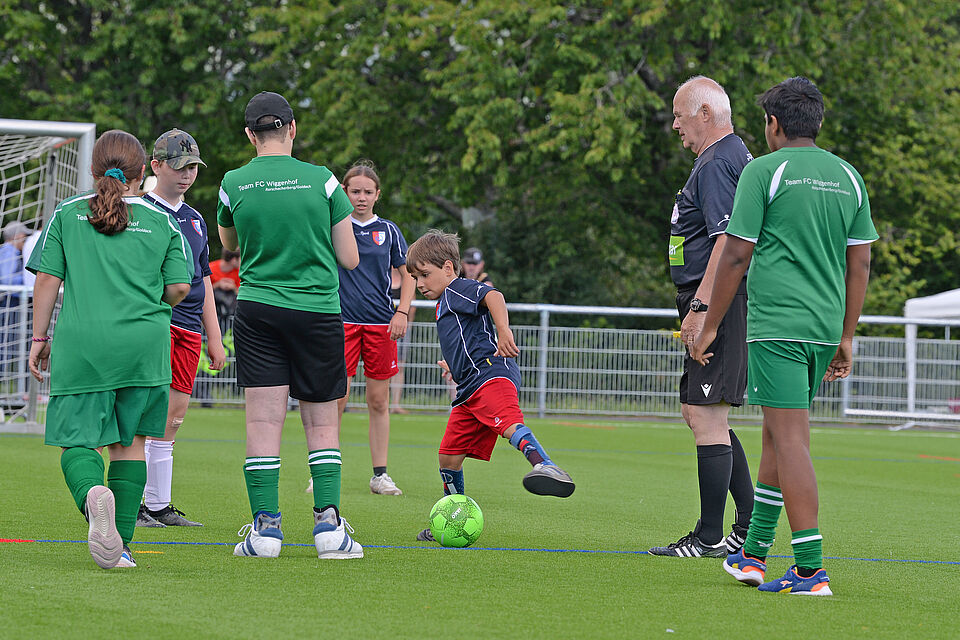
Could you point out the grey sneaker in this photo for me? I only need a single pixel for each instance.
(144, 519)
(103, 539)
(548, 480)
(690, 546)
(425, 536)
(384, 485)
(170, 516)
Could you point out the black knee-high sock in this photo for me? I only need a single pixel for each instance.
(714, 466)
(741, 486)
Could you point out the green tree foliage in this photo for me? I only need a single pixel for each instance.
(539, 130)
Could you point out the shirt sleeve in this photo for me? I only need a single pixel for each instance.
(178, 263)
(224, 210)
(749, 204)
(48, 256)
(465, 296)
(398, 248)
(340, 206)
(862, 231)
(716, 186)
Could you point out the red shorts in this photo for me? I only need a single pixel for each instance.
(372, 343)
(184, 358)
(474, 426)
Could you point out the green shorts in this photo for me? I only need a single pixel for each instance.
(101, 418)
(786, 374)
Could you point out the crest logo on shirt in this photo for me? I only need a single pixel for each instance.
(379, 237)
(197, 227)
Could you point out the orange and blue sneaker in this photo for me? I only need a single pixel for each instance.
(746, 569)
(792, 582)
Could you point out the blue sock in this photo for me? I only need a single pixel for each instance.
(524, 440)
(452, 481)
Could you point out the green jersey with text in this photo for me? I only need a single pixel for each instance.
(284, 211)
(113, 330)
(802, 207)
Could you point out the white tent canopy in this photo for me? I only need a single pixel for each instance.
(940, 306)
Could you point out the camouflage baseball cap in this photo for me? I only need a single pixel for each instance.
(178, 149)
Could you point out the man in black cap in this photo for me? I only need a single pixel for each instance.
(291, 223)
(473, 266)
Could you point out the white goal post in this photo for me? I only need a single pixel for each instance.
(41, 163)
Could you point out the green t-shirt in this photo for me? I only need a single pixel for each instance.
(802, 206)
(284, 211)
(113, 330)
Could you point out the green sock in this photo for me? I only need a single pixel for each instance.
(126, 479)
(808, 550)
(82, 469)
(767, 504)
(262, 474)
(325, 471)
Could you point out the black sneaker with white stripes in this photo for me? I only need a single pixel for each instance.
(690, 546)
(734, 541)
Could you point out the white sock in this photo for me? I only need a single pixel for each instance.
(159, 457)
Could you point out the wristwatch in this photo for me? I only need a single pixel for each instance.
(697, 306)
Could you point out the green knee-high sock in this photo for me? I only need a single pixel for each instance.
(262, 474)
(82, 469)
(807, 550)
(126, 479)
(767, 504)
(325, 471)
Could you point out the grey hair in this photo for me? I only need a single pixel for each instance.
(701, 90)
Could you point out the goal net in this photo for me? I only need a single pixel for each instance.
(41, 163)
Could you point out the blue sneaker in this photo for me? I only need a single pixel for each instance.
(746, 569)
(791, 582)
(262, 537)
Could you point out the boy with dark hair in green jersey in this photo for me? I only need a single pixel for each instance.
(122, 263)
(801, 220)
(290, 221)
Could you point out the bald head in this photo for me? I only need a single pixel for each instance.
(701, 113)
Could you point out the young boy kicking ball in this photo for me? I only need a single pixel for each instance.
(483, 366)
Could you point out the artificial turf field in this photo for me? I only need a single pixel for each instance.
(543, 568)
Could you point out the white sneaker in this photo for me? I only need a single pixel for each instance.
(331, 537)
(103, 539)
(384, 485)
(126, 559)
(263, 537)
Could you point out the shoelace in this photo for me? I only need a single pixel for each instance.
(687, 539)
(245, 529)
(346, 525)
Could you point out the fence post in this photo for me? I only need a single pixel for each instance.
(542, 367)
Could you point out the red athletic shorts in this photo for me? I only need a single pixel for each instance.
(372, 343)
(184, 358)
(474, 426)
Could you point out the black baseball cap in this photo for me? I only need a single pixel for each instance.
(267, 103)
(473, 256)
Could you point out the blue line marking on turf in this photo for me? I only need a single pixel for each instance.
(526, 549)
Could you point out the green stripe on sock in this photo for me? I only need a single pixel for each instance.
(126, 479)
(808, 548)
(325, 470)
(767, 504)
(262, 475)
(82, 469)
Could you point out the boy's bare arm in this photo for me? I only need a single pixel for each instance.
(858, 274)
(495, 303)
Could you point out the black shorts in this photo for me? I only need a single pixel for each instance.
(724, 379)
(302, 349)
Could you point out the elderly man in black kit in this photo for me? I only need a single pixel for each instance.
(701, 111)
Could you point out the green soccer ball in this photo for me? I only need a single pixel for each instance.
(456, 521)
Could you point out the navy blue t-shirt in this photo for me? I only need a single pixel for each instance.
(189, 313)
(365, 291)
(702, 208)
(468, 339)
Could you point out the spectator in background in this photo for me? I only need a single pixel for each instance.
(11, 274)
(225, 276)
(473, 266)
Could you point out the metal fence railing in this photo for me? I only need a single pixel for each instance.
(597, 371)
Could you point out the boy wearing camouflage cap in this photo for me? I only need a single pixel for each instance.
(175, 162)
